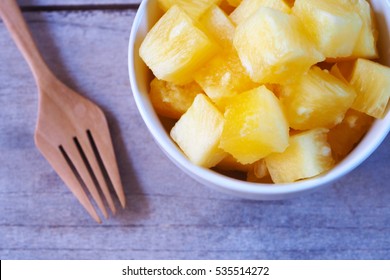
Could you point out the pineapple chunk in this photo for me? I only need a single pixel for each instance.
(273, 46)
(259, 173)
(198, 133)
(251, 177)
(366, 44)
(255, 126)
(194, 8)
(218, 26)
(249, 7)
(317, 99)
(344, 136)
(260, 169)
(224, 77)
(229, 163)
(171, 100)
(234, 3)
(308, 155)
(226, 7)
(371, 81)
(343, 70)
(174, 48)
(335, 28)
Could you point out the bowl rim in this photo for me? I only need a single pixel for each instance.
(374, 137)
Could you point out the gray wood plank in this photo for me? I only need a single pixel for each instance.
(222, 243)
(169, 215)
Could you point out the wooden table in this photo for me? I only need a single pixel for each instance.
(169, 215)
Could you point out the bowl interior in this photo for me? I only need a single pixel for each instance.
(140, 77)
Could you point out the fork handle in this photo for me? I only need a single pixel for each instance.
(16, 25)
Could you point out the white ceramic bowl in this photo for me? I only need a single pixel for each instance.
(140, 78)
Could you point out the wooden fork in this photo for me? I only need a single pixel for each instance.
(71, 132)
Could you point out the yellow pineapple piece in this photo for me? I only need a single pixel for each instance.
(259, 173)
(198, 132)
(366, 44)
(334, 27)
(316, 99)
(343, 70)
(174, 48)
(194, 8)
(171, 100)
(251, 177)
(260, 169)
(248, 7)
(371, 81)
(229, 163)
(335, 71)
(223, 77)
(307, 155)
(234, 3)
(255, 126)
(217, 25)
(226, 7)
(273, 46)
(344, 136)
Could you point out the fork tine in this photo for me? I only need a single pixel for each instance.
(86, 146)
(74, 155)
(53, 155)
(103, 143)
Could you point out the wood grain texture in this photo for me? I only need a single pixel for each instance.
(169, 216)
(64, 118)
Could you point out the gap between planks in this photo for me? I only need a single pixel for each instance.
(97, 7)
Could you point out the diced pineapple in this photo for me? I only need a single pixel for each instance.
(194, 8)
(260, 169)
(335, 28)
(335, 71)
(174, 48)
(371, 81)
(273, 46)
(255, 126)
(229, 163)
(366, 44)
(171, 100)
(198, 133)
(234, 3)
(308, 155)
(259, 173)
(223, 77)
(316, 99)
(249, 7)
(217, 25)
(346, 68)
(344, 136)
(226, 7)
(343, 70)
(251, 177)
